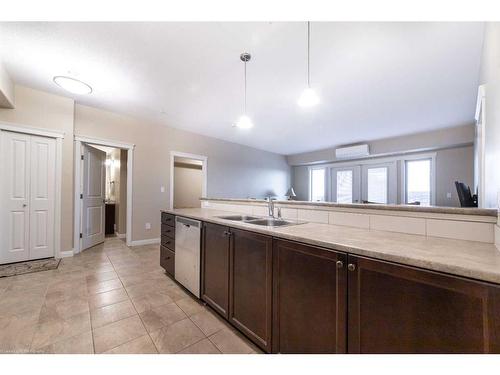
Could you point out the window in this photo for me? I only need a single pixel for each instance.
(344, 186)
(377, 185)
(318, 184)
(418, 181)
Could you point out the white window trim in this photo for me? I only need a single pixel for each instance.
(426, 156)
(401, 158)
(327, 177)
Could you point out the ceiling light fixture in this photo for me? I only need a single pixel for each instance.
(72, 85)
(244, 122)
(308, 98)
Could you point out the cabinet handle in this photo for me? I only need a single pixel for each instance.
(351, 267)
(227, 233)
(340, 264)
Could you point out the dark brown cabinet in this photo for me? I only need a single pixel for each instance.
(309, 299)
(400, 309)
(250, 285)
(215, 267)
(289, 297)
(167, 243)
(167, 260)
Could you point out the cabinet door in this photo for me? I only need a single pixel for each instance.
(401, 309)
(310, 297)
(250, 287)
(215, 267)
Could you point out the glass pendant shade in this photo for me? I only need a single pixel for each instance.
(308, 98)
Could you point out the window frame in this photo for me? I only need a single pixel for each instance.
(326, 189)
(404, 180)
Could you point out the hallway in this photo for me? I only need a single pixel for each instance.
(109, 299)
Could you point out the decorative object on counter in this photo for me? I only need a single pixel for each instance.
(290, 194)
(244, 122)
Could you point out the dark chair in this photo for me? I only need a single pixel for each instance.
(465, 196)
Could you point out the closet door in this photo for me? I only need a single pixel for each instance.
(42, 204)
(15, 192)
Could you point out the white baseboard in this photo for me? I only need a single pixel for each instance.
(150, 241)
(120, 235)
(65, 254)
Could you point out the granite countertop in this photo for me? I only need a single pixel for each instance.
(471, 259)
(373, 206)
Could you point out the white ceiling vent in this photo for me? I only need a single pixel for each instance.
(352, 152)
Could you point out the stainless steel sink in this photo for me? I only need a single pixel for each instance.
(239, 217)
(267, 222)
(273, 222)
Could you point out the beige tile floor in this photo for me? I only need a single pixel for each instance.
(109, 299)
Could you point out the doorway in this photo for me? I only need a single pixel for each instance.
(188, 179)
(103, 191)
(104, 186)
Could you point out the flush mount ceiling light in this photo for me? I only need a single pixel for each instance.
(72, 85)
(244, 122)
(308, 98)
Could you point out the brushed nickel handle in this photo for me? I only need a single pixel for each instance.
(340, 264)
(351, 267)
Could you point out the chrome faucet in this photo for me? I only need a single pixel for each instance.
(270, 206)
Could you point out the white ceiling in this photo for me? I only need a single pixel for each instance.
(375, 80)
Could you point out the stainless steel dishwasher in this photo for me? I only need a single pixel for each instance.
(187, 253)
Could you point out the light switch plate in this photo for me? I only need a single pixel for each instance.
(162, 189)
(148, 226)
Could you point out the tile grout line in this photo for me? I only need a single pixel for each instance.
(133, 305)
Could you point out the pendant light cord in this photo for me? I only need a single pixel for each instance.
(245, 96)
(308, 54)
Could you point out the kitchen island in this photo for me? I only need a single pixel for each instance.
(322, 288)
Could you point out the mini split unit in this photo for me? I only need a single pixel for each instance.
(352, 152)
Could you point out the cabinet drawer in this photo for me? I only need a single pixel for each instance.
(168, 242)
(168, 231)
(168, 219)
(167, 260)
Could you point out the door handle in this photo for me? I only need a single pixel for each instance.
(25, 205)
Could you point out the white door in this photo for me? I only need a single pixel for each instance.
(93, 199)
(42, 197)
(27, 197)
(379, 183)
(345, 184)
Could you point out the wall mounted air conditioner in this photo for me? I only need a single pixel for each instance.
(352, 152)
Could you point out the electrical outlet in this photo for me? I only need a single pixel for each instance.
(148, 226)
(162, 189)
(448, 195)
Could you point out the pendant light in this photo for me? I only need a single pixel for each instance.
(308, 98)
(244, 121)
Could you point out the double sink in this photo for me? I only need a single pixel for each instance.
(266, 222)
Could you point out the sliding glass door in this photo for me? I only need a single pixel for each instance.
(345, 184)
(379, 184)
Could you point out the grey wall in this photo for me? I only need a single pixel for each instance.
(459, 135)
(455, 164)
(188, 182)
(490, 77)
(234, 171)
